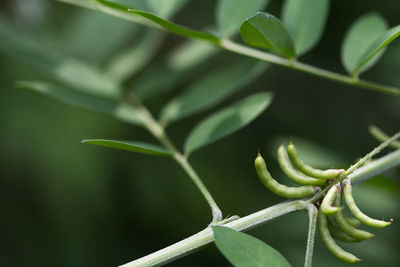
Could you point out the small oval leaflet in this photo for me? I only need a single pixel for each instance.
(362, 34)
(227, 121)
(266, 31)
(243, 250)
(133, 146)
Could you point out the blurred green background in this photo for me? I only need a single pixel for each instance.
(64, 203)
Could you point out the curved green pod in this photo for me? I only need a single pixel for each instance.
(353, 221)
(277, 188)
(292, 173)
(307, 169)
(326, 206)
(330, 244)
(338, 234)
(346, 227)
(348, 195)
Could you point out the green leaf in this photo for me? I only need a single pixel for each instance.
(231, 13)
(227, 121)
(138, 147)
(128, 62)
(243, 250)
(150, 19)
(377, 49)
(212, 88)
(362, 35)
(121, 111)
(181, 64)
(75, 39)
(166, 8)
(305, 20)
(28, 49)
(266, 31)
(190, 54)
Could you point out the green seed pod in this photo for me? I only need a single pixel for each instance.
(353, 221)
(347, 192)
(277, 188)
(308, 170)
(330, 244)
(346, 227)
(292, 173)
(326, 206)
(338, 234)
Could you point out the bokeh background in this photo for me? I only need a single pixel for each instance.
(64, 203)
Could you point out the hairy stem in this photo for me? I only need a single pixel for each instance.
(369, 170)
(158, 132)
(376, 167)
(199, 240)
(372, 153)
(312, 225)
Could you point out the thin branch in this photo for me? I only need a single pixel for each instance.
(319, 72)
(382, 137)
(369, 170)
(375, 168)
(312, 225)
(250, 52)
(199, 240)
(372, 153)
(158, 132)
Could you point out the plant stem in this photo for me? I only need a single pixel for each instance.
(372, 153)
(312, 225)
(382, 137)
(366, 172)
(199, 240)
(255, 53)
(158, 132)
(326, 74)
(375, 167)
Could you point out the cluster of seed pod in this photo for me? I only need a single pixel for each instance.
(295, 169)
(311, 180)
(345, 228)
